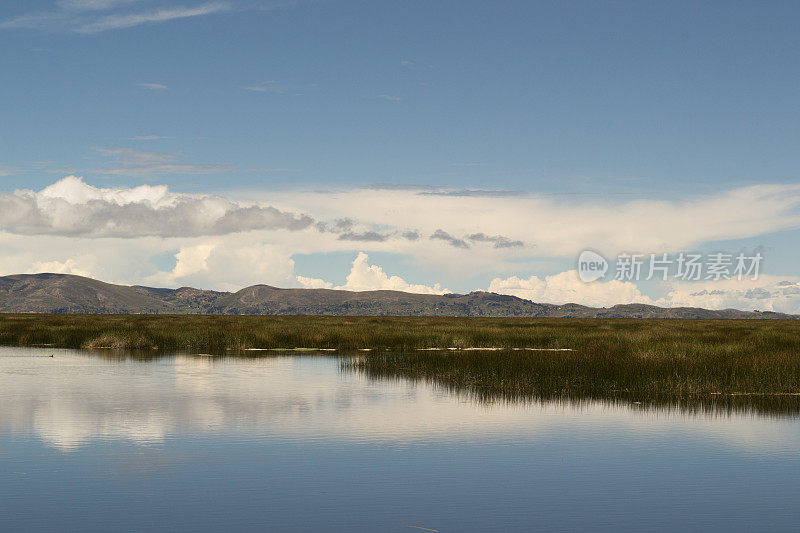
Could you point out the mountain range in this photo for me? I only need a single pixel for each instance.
(64, 293)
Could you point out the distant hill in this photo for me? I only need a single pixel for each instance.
(62, 293)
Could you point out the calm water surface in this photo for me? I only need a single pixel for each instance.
(191, 443)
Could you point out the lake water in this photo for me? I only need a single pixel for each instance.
(295, 443)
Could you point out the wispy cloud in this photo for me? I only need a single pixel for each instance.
(270, 169)
(278, 88)
(480, 193)
(389, 97)
(265, 87)
(7, 171)
(406, 63)
(96, 16)
(437, 190)
(115, 22)
(146, 138)
(153, 86)
(130, 162)
(93, 5)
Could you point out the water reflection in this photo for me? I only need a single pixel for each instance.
(153, 442)
(78, 398)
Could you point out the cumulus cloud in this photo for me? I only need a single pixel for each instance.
(70, 266)
(366, 277)
(230, 264)
(72, 207)
(567, 287)
(191, 260)
(314, 283)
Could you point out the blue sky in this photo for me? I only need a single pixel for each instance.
(590, 105)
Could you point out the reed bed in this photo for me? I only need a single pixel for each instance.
(701, 380)
(741, 364)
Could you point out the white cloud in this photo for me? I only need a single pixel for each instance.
(192, 259)
(314, 283)
(129, 20)
(366, 277)
(92, 4)
(96, 16)
(122, 235)
(229, 264)
(389, 97)
(767, 293)
(71, 207)
(552, 226)
(70, 266)
(270, 169)
(278, 88)
(567, 287)
(263, 87)
(153, 86)
(146, 138)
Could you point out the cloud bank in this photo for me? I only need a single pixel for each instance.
(151, 235)
(520, 224)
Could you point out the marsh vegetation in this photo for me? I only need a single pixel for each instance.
(731, 364)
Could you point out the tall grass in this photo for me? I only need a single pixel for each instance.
(651, 338)
(698, 380)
